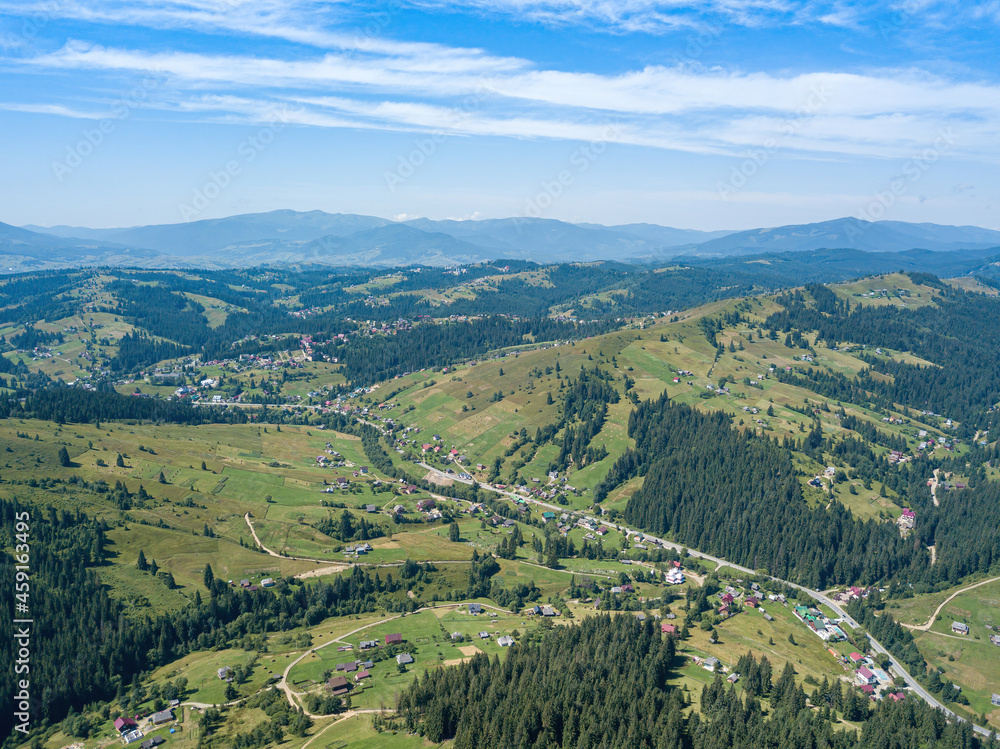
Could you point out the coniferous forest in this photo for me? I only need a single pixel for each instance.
(603, 683)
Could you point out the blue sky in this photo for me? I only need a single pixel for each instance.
(709, 115)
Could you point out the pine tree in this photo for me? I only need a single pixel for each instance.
(141, 563)
(209, 577)
(64, 460)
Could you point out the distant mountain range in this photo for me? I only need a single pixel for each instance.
(338, 239)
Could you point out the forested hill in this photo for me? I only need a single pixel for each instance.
(602, 683)
(736, 495)
(957, 334)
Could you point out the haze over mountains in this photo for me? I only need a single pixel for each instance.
(337, 239)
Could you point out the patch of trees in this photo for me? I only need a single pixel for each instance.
(604, 683)
(86, 648)
(347, 527)
(958, 333)
(79, 406)
(736, 495)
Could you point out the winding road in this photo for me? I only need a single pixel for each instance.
(927, 625)
(896, 668)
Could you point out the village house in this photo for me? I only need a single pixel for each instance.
(960, 628)
(124, 725)
(338, 685)
(865, 676)
(404, 658)
(506, 641)
(393, 639)
(164, 716)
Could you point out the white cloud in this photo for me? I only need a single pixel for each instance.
(366, 81)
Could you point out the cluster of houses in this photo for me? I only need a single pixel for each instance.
(504, 641)
(733, 600)
(129, 731)
(853, 593)
(353, 672)
(267, 582)
(819, 624)
(358, 550)
(357, 667)
(872, 680)
(537, 610)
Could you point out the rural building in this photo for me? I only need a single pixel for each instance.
(150, 743)
(164, 716)
(475, 608)
(403, 658)
(506, 641)
(338, 685)
(124, 725)
(960, 628)
(709, 664)
(224, 672)
(393, 639)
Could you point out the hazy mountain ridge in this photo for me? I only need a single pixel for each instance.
(286, 236)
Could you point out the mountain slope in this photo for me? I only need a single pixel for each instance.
(849, 233)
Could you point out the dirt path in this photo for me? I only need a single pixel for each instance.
(930, 621)
(340, 718)
(274, 553)
(934, 486)
(290, 693)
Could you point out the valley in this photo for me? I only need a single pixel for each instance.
(324, 481)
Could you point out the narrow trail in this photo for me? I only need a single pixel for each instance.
(332, 567)
(927, 625)
(291, 694)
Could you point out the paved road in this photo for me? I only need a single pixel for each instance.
(816, 594)
(719, 562)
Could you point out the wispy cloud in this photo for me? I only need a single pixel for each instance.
(693, 110)
(335, 75)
